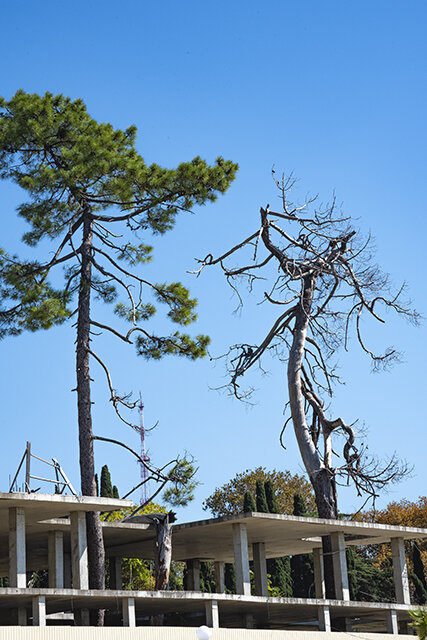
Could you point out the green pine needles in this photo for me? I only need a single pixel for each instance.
(73, 169)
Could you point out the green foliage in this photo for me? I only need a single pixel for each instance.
(280, 575)
(248, 502)
(72, 167)
(182, 484)
(106, 486)
(228, 499)
(300, 508)
(207, 577)
(270, 494)
(229, 578)
(418, 576)
(302, 570)
(261, 500)
(419, 617)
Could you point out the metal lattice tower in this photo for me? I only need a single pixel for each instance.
(145, 489)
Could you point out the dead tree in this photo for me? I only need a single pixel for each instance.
(324, 283)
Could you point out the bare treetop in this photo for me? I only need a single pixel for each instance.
(324, 283)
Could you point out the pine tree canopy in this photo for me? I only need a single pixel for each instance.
(72, 167)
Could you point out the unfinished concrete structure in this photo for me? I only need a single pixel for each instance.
(49, 532)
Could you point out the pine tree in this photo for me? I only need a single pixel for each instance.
(249, 505)
(91, 193)
(261, 500)
(106, 486)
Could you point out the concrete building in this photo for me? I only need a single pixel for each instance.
(49, 532)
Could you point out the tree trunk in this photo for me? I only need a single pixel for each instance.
(320, 477)
(163, 558)
(96, 556)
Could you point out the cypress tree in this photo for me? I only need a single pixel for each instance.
(261, 500)
(301, 565)
(300, 508)
(106, 486)
(207, 578)
(115, 492)
(229, 578)
(270, 495)
(418, 577)
(249, 505)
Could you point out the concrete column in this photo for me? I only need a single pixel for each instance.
(241, 559)
(339, 560)
(193, 575)
(219, 568)
(81, 618)
(19, 617)
(116, 581)
(39, 611)
(392, 624)
(400, 571)
(319, 574)
(17, 553)
(67, 571)
(56, 559)
(260, 569)
(212, 614)
(79, 550)
(249, 621)
(324, 618)
(128, 608)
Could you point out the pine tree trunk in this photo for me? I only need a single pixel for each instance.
(320, 478)
(96, 554)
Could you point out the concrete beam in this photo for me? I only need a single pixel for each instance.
(219, 570)
(39, 611)
(260, 569)
(392, 623)
(241, 559)
(212, 614)
(193, 575)
(56, 559)
(319, 574)
(400, 571)
(324, 618)
(339, 560)
(128, 609)
(116, 578)
(79, 560)
(17, 552)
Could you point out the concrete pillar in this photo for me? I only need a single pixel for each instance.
(212, 614)
(128, 608)
(116, 581)
(392, 624)
(79, 550)
(260, 569)
(67, 571)
(319, 574)
(339, 560)
(324, 618)
(39, 611)
(17, 553)
(56, 559)
(193, 575)
(219, 568)
(241, 559)
(249, 621)
(81, 618)
(19, 617)
(400, 571)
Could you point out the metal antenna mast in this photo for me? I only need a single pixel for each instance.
(145, 489)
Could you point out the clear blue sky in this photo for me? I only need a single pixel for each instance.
(336, 92)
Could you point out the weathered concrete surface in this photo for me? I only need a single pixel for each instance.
(174, 633)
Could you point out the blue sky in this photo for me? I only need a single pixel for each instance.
(335, 92)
